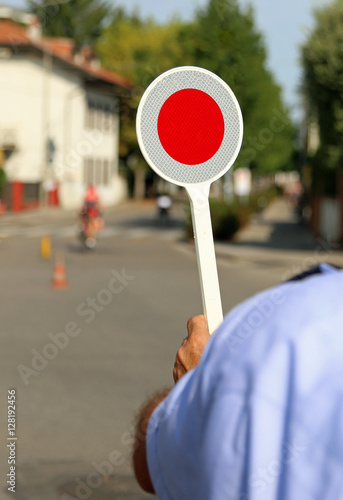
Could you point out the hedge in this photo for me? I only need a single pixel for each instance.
(229, 217)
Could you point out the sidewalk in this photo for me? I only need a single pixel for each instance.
(125, 206)
(275, 238)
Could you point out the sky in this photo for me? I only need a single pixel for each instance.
(284, 26)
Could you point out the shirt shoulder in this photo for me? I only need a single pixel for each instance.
(274, 363)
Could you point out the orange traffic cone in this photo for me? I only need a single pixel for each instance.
(59, 279)
(45, 247)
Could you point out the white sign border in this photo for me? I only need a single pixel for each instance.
(141, 109)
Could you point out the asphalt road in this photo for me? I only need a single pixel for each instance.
(81, 360)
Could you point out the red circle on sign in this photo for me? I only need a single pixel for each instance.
(190, 126)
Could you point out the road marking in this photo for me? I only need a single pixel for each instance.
(36, 232)
(108, 232)
(171, 235)
(137, 234)
(65, 232)
(11, 232)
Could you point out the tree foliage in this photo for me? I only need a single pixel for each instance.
(81, 20)
(140, 50)
(223, 39)
(323, 81)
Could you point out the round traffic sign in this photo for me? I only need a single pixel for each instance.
(189, 126)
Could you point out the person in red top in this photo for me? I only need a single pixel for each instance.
(90, 215)
(91, 193)
(91, 209)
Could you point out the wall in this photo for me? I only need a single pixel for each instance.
(21, 86)
(43, 101)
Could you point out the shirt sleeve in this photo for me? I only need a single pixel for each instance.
(261, 416)
(186, 432)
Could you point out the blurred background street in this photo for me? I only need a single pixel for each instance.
(87, 334)
(77, 411)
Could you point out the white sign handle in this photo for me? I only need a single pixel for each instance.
(207, 266)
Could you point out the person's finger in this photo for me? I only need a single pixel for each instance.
(189, 354)
(179, 370)
(197, 325)
(184, 341)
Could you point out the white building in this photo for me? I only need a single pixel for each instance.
(59, 121)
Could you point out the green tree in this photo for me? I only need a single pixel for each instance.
(323, 83)
(224, 40)
(81, 20)
(139, 50)
(221, 38)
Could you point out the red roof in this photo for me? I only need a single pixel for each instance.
(62, 49)
(11, 33)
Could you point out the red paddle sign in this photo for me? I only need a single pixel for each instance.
(190, 129)
(190, 126)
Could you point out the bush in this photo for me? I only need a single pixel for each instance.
(225, 219)
(228, 217)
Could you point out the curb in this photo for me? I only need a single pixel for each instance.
(277, 257)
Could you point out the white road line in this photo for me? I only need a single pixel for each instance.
(171, 235)
(110, 231)
(136, 234)
(65, 232)
(36, 232)
(11, 232)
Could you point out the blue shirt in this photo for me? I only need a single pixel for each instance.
(261, 417)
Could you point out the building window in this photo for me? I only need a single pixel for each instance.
(88, 171)
(106, 172)
(110, 117)
(107, 118)
(96, 171)
(90, 114)
(98, 112)
(100, 115)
